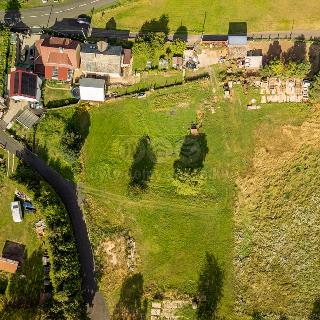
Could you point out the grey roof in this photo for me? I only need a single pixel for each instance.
(237, 40)
(92, 83)
(107, 62)
(27, 118)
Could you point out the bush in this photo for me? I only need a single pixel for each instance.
(188, 182)
(279, 68)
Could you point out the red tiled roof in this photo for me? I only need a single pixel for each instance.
(55, 42)
(55, 51)
(59, 58)
(8, 265)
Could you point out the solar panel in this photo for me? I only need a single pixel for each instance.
(16, 83)
(29, 84)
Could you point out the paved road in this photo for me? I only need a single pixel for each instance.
(67, 191)
(48, 15)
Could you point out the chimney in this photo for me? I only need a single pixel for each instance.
(60, 49)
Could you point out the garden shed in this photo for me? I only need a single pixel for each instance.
(92, 89)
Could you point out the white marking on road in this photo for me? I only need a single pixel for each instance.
(82, 5)
(33, 16)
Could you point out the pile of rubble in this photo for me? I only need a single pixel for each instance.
(290, 90)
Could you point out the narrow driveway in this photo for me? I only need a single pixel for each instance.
(67, 191)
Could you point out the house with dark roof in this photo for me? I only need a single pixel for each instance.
(24, 85)
(57, 58)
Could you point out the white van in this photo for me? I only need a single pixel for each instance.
(16, 211)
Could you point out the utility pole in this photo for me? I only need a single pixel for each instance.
(292, 29)
(204, 23)
(49, 15)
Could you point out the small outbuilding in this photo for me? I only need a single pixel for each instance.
(253, 62)
(92, 89)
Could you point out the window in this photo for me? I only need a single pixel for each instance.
(54, 73)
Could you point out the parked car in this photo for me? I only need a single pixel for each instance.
(16, 211)
(84, 19)
(28, 207)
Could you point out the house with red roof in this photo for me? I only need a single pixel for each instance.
(57, 58)
(24, 85)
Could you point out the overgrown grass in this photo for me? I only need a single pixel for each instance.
(214, 16)
(277, 225)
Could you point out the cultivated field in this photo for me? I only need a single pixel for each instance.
(259, 15)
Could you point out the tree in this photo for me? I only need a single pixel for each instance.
(177, 47)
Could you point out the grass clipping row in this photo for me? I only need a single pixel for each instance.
(277, 224)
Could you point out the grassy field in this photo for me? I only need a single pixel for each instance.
(259, 15)
(172, 232)
(277, 224)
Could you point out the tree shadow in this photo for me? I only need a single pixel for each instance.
(111, 24)
(76, 132)
(274, 52)
(210, 288)
(314, 58)
(315, 313)
(181, 33)
(297, 52)
(25, 285)
(238, 28)
(131, 304)
(144, 161)
(192, 153)
(154, 25)
(12, 16)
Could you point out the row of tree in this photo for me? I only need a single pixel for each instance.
(67, 302)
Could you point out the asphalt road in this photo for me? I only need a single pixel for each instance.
(47, 15)
(67, 191)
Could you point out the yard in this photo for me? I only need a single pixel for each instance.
(172, 232)
(55, 93)
(190, 16)
(21, 290)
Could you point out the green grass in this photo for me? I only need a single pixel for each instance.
(55, 91)
(21, 289)
(9, 230)
(260, 15)
(172, 232)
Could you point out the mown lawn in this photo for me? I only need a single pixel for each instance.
(260, 15)
(172, 232)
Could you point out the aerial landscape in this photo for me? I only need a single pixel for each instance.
(159, 160)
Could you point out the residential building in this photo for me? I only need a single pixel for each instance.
(104, 62)
(24, 85)
(57, 58)
(92, 89)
